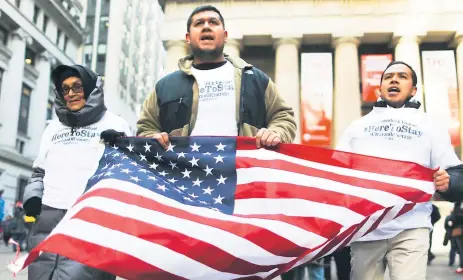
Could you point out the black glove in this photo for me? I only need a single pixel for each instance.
(33, 206)
(109, 136)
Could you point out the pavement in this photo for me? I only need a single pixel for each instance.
(438, 270)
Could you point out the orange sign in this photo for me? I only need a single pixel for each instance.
(316, 99)
(373, 65)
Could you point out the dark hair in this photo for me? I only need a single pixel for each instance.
(203, 9)
(414, 77)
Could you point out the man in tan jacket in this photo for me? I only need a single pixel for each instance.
(215, 94)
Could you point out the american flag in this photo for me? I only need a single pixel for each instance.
(219, 208)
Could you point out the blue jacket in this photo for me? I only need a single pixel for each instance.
(2, 209)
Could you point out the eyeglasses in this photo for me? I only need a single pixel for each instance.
(75, 88)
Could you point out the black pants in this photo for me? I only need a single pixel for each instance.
(343, 265)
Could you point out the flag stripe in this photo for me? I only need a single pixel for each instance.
(126, 266)
(295, 191)
(263, 239)
(164, 258)
(215, 258)
(234, 244)
(324, 179)
(283, 232)
(421, 182)
(319, 226)
(296, 207)
(329, 157)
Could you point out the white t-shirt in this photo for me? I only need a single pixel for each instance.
(70, 160)
(217, 104)
(405, 134)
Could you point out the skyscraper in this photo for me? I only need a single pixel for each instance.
(123, 44)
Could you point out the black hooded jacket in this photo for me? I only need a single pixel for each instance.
(94, 108)
(92, 112)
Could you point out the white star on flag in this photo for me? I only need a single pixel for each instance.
(208, 170)
(221, 180)
(162, 188)
(186, 173)
(194, 162)
(173, 165)
(147, 147)
(197, 182)
(220, 147)
(218, 159)
(154, 166)
(181, 155)
(130, 147)
(135, 179)
(170, 148)
(195, 147)
(218, 199)
(208, 190)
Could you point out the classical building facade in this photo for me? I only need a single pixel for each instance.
(123, 44)
(35, 36)
(274, 34)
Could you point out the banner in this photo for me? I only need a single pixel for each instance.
(372, 67)
(441, 90)
(316, 98)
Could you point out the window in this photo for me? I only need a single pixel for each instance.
(1, 79)
(35, 17)
(45, 23)
(3, 36)
(58, 37)
(50, 110)
(22, 183)
(24, 109)
(20, 145)
(66, 40)
(17, 3)
(30, 56)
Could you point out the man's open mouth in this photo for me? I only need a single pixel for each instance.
(207, 38)
(393, 89)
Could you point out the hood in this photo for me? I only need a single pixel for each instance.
(185, 63)
(94, 108)
(411, 103)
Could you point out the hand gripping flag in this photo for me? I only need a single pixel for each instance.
(219, 208)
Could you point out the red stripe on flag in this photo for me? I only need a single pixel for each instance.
(215, 258)
(405, 192)
(376, 223)
(262, 237)
(357, 162)
(319, 226)
(283, 190)
(93, 255)
(405, 209)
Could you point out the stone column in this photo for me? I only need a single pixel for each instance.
(11, 90)
(287, 75)
(233, 47)
(459, 57)
(408, 50)
(347, 99)
(176, 49)
(39, 102)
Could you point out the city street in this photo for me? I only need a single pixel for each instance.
(437, 271)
